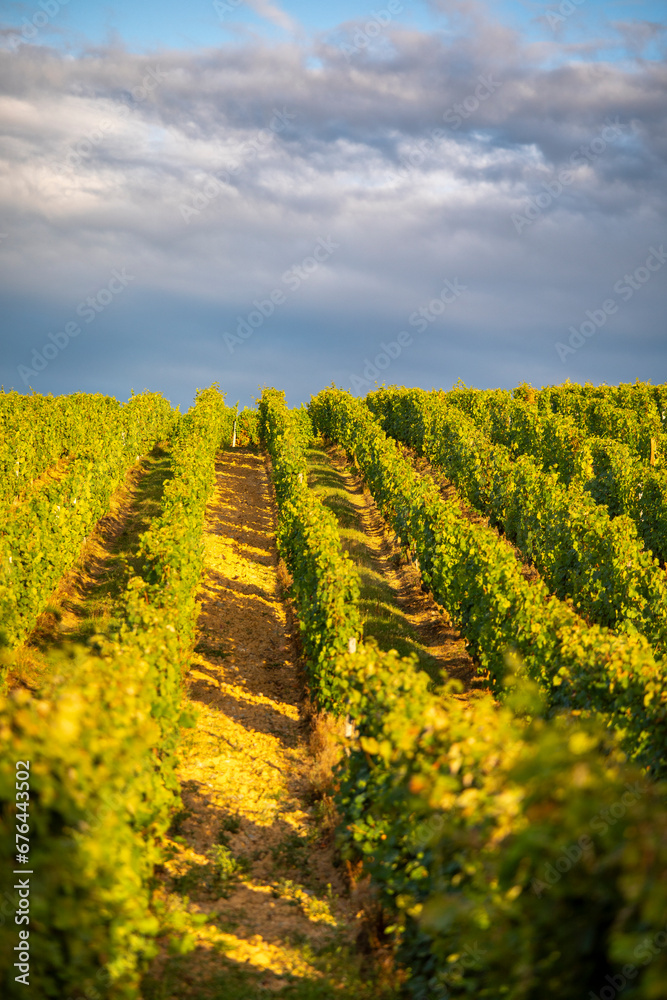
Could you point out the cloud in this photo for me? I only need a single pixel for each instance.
(209, 174)
(274, 14)
(637, 35)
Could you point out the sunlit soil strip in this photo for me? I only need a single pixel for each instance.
(394, 609)
(281, 960)
(244, 771)
(238, 692)
(317, 910)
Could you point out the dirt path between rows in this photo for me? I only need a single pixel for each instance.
(85, 601)
(252, 853)
(250, 850)
(440, 647)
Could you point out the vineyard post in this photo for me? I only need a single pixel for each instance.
(349, 726)
(236, 416)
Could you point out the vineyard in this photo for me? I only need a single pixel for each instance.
(361, 699)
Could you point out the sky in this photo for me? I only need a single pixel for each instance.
(255, 192)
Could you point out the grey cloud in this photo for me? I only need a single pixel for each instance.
(273, 13)
(638, 34)
(351, 163)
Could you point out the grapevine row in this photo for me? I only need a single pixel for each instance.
(581, 552)
(468, 816)
(41, 538)
(610, 470)
(476, 577)
(596, 408)
(325, 585)
(100, 736)
(37, 431)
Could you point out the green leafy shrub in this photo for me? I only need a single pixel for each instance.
(41, 536)
(475, 575)
(325, 585)
(581, 551)
(100, 737)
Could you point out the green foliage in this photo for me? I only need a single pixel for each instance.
(615, 472)
(37, 431)
(325, 585)
(517, 857)
(101, 738)
(628, 414)
(632, 414)
(469, 815)
(581, 552)
(247, 428)
(475, 575)
(229, 868)
(41, 536)
(514, 856)
(220, 876)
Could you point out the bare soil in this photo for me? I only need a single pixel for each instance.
(247, 777)
(251, 874)
(83, 603)
(382, 552)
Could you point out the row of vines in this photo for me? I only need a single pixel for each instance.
(581, 551)
(516, 838)
(517, 854)
(101, 735)
(621, 463)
